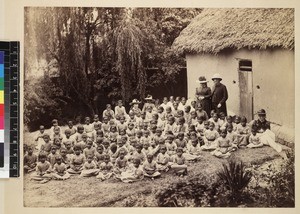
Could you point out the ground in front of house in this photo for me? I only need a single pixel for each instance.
(90, 192)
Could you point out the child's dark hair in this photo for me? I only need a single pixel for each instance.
(42, 155)
(254, 128)
(179, 149)
(181, 120)
(113, 147)
(180, 134)
(243, 119)
(77, 148)
(54, 121)
(80, 127)
(67, 131)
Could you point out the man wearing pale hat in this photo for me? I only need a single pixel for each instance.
(149, 102)
(219, 95)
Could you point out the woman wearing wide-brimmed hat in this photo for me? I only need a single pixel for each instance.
(219, 95)
(266, 136)
(203, 95)
(135, 107)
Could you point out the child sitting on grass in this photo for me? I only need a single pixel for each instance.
(120, 110)
(108, 112)
(170, 145)
(254, 140)
(146, 148)
(224, 146)
(30, 161)
(89, 167)
(133, 173)
(139, 154)
(39, 138)
(106, 169)
(105, 126)
(67, 138)
(46, 148)
(60, 169)
(181, 141)
(210, 136)
(77, 161)
(52, 156)
(193, 151)
(69, 149)
(56, 133)
(99, 155)
(57, 143)
(78, 135)
(232, 136)
(64, 157)
(121, 163)
(178, 164)
(243, 132)
(89, 150)
(163, 159)
(72, 128)
(43, 169)
(54, 125)
(215, 119)
(150, 168)
(83, 143)
(88, 127)
(200, 126)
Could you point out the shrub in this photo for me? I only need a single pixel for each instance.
(235, 178)
(281, 189)
(197, 192)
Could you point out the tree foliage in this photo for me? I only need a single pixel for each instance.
(98, 55)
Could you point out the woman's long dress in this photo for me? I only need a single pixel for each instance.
(205, 93)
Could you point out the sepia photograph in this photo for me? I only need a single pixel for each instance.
(159, 107)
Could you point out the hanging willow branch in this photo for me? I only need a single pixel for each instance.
(129, 39)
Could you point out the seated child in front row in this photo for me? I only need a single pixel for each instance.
(254, 140)
(77, 160)
(43, 169)
(133, 173)
(121, 163)
(224, 146)
(30, 160)
(163, 159)
(243, 132)
(210, 137)
(89, 167)
(193, 151)
(106, 169)
(150, 167)
(60, 169)
(178, 163)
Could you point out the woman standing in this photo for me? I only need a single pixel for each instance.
(203, 95)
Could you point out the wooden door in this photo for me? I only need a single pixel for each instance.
(246, 89)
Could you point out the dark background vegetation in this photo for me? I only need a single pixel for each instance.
(79, 59)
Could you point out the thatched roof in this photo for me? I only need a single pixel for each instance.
(217, 29)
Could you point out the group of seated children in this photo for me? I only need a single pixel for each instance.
(139, 144)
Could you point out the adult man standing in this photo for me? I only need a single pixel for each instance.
(219, 95)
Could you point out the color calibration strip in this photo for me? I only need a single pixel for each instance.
(10, 99)
(1, 108)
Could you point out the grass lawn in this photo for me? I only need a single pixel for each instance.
(90, 192)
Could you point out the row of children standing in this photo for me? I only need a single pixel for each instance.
(144, 142)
